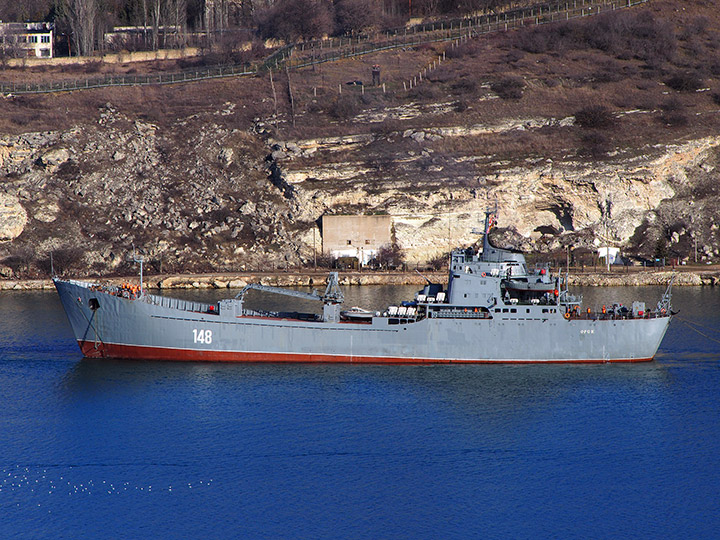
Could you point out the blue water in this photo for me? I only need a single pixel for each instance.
(111, 449)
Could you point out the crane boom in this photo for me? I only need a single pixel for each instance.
(332, 295)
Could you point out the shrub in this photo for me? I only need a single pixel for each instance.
(424, 91)
(20, 259)
(389, 256)
(696, 27)
(464, 86)
(92, 66)
(65, 259)
(387, 127)
(595, 116)
(675, 119)
(624, 34)
(324, 260)
(461, 105)
(468, 48)
(344, 107)
(645, 103)
(291, 20)
(439, 262)
(685, 82)
(509, 87)
(672, 105)
(714, 67)
(595, 144)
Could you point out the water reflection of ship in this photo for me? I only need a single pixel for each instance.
(502, 388)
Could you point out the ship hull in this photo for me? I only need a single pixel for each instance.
(107, 326)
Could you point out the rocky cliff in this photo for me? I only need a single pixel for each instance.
(194, 196)
(579, 142)
(436, 200)
(201, 196)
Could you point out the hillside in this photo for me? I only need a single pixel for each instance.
(557, 124)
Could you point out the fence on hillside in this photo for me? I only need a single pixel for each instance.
(321, 51)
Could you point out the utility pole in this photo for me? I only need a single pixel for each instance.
(567, 258)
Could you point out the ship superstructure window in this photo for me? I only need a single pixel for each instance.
(349, 242)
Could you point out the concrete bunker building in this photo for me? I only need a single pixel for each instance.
(355, 236)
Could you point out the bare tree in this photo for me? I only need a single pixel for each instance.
(9, 47)
(156, 13)
(178, 17)
(83, 17)
(291, 20)
(144, 21)
(355, 15)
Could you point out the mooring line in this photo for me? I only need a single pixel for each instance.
(690, 325)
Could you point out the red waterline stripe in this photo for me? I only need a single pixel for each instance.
(137, 352)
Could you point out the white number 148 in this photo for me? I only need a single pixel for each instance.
(202, 336)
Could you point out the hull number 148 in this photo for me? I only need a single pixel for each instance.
(202, 336)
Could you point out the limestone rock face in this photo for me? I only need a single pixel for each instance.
(13, 217)
(201, 196)
(437, 201)
(47, 212)
(54, 158)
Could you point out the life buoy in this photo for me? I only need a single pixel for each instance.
(483, 274)
(567, 315)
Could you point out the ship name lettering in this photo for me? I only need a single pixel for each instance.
(202, 336)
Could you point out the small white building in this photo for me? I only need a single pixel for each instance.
(609, 254)
(356, 236)
(27, 40)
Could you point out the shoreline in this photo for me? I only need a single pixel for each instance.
(619, 278)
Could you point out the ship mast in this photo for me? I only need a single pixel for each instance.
(140, 260)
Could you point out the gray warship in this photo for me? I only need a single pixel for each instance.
(493, 308)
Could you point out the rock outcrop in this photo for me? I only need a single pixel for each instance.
(437, 200)
(201, 195)
(13, 217)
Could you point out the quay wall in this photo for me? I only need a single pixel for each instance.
(317, 280)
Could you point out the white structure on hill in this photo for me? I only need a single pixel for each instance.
(27, 40)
